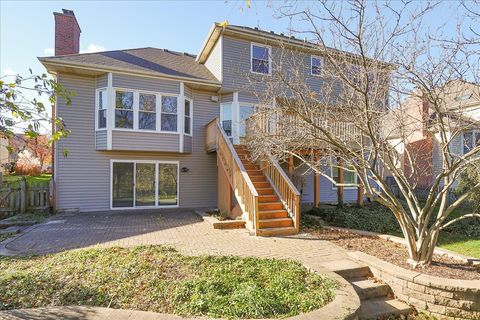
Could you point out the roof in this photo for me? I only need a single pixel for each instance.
(161, 62)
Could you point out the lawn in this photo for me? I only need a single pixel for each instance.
(11, 179)
(158, 278)
(468, 246)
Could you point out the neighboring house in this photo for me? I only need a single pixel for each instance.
(143, 133)
(4, 153)
(411, 121)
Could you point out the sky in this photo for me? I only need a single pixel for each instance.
(27, 27)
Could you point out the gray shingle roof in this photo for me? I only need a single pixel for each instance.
(153, 60)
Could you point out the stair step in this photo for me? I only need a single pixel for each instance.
(273, 214)
(347, 268)
(369, 289)
(251, 166)
(267, 198)
(267, 206)
(258, 178)
(254, 172)
(382, 308)
(261, 184)
(271, 232)
(265, 191)
(275, 223)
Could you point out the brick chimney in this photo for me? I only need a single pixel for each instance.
(67, 33)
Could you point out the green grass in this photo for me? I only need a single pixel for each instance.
(157, 278)
(12, 179)
(468, 246)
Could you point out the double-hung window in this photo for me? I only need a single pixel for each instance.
(316, 65)
(101, 109)
(169, 114)
(187, 129)
(261, 62)
(124, 109)
(471, 139)
(147, 111)
(349, 176)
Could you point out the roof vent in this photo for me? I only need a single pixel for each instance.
(272, 32)
(292, 37)
(256, 28)
(282, 34)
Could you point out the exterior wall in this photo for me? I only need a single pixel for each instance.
(82, 179)
(144, 83)
(4, 154)
(101, 140)
(214, 60)
(187, 144)
(145, 141)
(102, 81)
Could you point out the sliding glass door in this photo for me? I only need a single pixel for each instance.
(137, 184)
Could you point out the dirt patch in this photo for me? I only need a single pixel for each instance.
(442, 266)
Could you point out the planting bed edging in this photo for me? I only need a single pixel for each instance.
(441, 297)
(440, 251)
(217, 224)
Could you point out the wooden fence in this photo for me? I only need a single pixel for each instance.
(22, 196)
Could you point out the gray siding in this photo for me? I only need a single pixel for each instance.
(187, 144)
(101, 140)
(246, 98)
(144, 83)
(188, 92)
(145, 141)
(83, 177)
(227, 97)
(102, 81)
(214, 60)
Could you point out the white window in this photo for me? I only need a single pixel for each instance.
(169, 114)
(124, 109)
(187, 127)
(471, 139)
(226, 118)
(101, 109)
(147, 107)
(245, 112)
(316, 65)
(261, 59)
(349, 176)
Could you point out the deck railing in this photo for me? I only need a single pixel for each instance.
(244, 190)
(284, 187)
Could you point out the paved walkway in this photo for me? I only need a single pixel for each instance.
(181, 229)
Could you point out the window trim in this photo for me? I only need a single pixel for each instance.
(190, 116)
(322, 61)
(133, 110)
(269, 48)
(334, 186)
(97, 108)
(177, 113)
(156, 162)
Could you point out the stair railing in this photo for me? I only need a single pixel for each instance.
(284, 187)
(244, 190)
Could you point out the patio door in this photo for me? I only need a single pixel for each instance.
(137, 184)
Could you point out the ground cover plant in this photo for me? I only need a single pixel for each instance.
(157, 278)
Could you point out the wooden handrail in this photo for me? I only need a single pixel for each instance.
(284, 187)
(244, 190)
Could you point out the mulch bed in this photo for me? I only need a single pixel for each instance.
(442, 266)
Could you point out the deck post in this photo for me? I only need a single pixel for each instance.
(341, 180)
(316, 187)
(360, 194)
(290, 166)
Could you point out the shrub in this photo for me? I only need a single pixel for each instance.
(27, 164)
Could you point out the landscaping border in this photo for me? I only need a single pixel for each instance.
(441, 297)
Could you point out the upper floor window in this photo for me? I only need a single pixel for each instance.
(124, 109)
(316, 65)
(188, 117)
(102, 109)
(471, 139)
(261, 62)
(169, 114)
(147, 111)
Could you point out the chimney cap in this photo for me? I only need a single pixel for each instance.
(70, 13)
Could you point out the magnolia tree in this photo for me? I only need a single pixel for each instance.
(376, 61)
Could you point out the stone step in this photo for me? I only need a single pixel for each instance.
(268, 198)
(271, 232)
(369, 289)
(347, 268)
(273, 214)
(383, 308)
(275, 223)
(267, 206)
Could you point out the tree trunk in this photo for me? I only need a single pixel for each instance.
(421, 251)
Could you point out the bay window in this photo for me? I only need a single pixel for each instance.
(147, 111)
(101, 109)
(188, 117)
(124, 109)
(169, 114)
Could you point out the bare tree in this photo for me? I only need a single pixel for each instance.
(377, 59)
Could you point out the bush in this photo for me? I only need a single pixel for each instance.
(27, 164)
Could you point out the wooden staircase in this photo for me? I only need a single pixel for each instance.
(273, 216)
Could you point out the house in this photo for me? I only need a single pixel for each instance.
(155, 128)
(4, 153)
(461, 101)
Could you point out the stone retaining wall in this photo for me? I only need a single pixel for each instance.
(441, 297)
